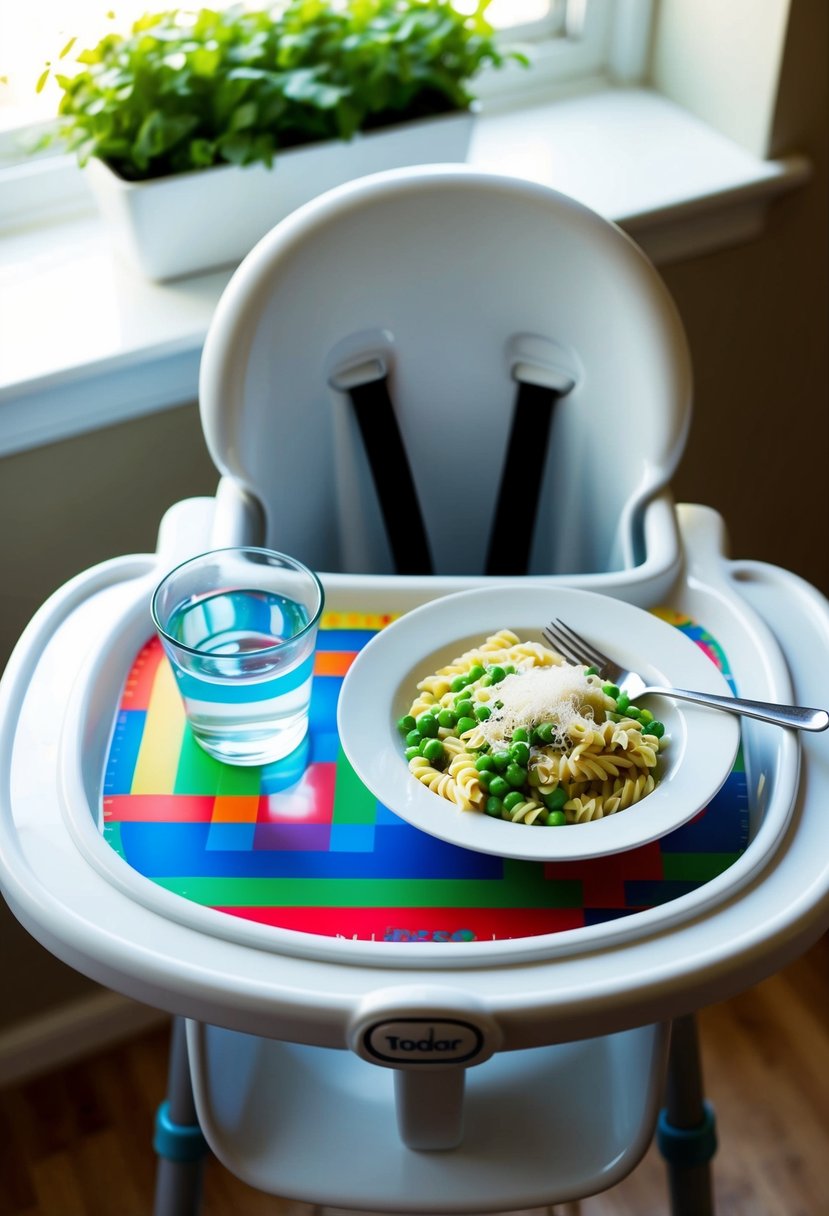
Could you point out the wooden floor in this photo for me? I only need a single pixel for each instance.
(77, 1142)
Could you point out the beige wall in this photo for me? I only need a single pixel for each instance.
(722, 62)
(757, 322)
(757, 318)
(89, 498)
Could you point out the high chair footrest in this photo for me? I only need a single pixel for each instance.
(177, 1141)
(541, 1125)
(687, 1147)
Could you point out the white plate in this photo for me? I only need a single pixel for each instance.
(381, 684)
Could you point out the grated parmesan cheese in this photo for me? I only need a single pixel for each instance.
(559, 694)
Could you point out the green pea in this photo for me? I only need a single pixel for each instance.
(515, 775)
(475, 672)
(610, 690)
(622, 702)
(411, 752)
(482, 712)
(486, 681)
(556, 819)
(486, 778)
(405, 724)
(519, 752)
(555, 800)
(427, 724)
(413, 738)
(519, 735)
(465, 724)
(500, 760)
(497, 674)
(634, 712)
(464, 708)
(458, 684)
(509, 670)
(546, 731)
(447, 719)
(432, 750)
(513, 800)
(591, 671)
(499, 787)
(494, 806)
(645, 715)
(656, 728)
(485, 764)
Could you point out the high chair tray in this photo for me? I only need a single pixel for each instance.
(280, 908)
(303, 845)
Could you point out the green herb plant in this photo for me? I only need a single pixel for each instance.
(185, 89)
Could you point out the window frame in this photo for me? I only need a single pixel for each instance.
(574, 48)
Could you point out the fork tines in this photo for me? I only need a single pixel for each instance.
(572, 645)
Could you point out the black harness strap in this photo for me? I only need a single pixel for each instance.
(517, 507)
(392, 475)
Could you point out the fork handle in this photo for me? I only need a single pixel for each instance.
(795, 716)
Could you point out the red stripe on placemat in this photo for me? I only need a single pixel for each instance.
(603, 879)
(158, 808)
(416, 924)
(139, 682)
(309, 800)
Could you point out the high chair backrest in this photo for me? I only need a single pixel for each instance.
(447, 370)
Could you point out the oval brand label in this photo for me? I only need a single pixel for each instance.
(423, 1041)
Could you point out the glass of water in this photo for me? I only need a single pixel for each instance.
(239, 627)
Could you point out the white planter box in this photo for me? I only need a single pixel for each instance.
(198, 221)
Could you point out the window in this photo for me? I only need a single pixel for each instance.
(562, 37)
(565, 40)
(33, 35)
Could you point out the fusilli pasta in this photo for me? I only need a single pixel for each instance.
(510, 728)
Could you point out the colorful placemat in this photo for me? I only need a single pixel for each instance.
(302, 844)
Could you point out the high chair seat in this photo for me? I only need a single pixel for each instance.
(524, 348)
(458, 309)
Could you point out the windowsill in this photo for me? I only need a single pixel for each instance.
(85, 342)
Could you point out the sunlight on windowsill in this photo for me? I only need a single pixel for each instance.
(85, 342)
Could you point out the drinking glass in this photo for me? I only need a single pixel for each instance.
(239, 627)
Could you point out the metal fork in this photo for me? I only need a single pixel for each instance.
(575, 648)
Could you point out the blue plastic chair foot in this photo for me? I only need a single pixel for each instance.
(686, 1147)
(177, 1141)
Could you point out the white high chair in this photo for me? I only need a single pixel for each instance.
(418, 382)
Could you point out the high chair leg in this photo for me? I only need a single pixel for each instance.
(178, 1139)
(686, 1132)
